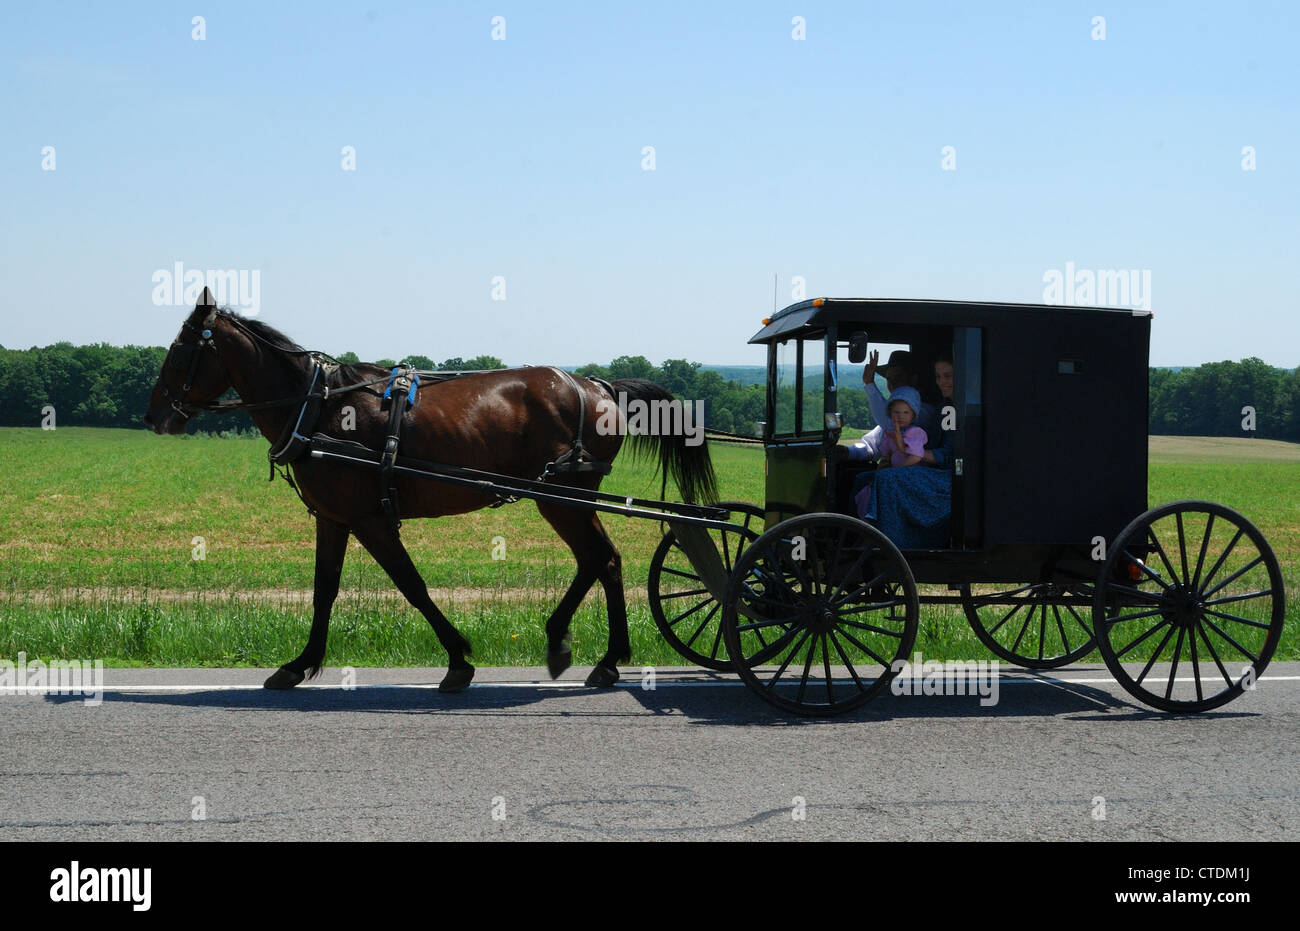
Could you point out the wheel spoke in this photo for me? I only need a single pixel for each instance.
(1156, 655)
(1023, 627)
(1182, 546)
(1006, 617)
(685, 614)
(1242, 650)
(1042, 629)
(758, 625)
(1196, 666)
(751, 598)
(1209, 646)
(1242, 571)
(791, 655)
(857, 564)
(807, 667)
(829, 569)
(1246, 597)
(1112, 621)
(1150, 631)
(864, 648)
(684, 575)
(1000, 597)
(873, 606)
(1239, 619)
(1151, 536)
(826, 667)
(717, 635)
(1224, 555)
(1173, 667)
(847, 665)
(864, 588)
(871, 627)
(1079, 620)
(1200, 560)
(1065, 641)
(686, 594)
(772, 649)
(726, 555)
(1137, 592)
(703, 624)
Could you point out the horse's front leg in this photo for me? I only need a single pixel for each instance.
(331, 548)
(384, 543)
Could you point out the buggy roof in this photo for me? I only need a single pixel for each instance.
(818, 313)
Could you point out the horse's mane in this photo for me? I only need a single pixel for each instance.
(343, 374)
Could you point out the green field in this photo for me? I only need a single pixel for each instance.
(97, 531)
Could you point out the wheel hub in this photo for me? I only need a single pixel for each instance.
(1180, 606)
(819, 618)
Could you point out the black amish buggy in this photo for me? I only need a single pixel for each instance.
(1050, 548)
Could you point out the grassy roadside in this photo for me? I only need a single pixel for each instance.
(97, 533)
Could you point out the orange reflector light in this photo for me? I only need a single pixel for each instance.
(766, 321)
(1135, 571)
(817, 302)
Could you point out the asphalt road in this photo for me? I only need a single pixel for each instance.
(698, 757)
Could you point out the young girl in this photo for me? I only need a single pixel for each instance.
(903, 443)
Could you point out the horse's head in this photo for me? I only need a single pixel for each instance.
(192, 374)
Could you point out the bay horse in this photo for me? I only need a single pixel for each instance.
(511, 422)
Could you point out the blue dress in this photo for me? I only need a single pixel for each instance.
(913, 506)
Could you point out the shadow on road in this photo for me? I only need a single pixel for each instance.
(719, 701)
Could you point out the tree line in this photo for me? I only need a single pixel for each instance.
(108, 386)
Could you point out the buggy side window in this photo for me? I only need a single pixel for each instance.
(812, 403)
(786, 367)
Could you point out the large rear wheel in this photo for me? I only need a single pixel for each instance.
(1038, 625)
(1189, 607)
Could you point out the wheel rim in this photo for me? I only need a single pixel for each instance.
(836, 621)
(687, 615)
(1202, 619)
(1038, 625)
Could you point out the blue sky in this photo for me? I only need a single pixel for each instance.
(522, 158)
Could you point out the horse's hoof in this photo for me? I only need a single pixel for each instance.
(283, 678)
(602, 677)
(559, 661)
(456, 680)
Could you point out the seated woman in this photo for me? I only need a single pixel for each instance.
(913, 506)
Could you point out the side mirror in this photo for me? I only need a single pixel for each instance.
(858, 346)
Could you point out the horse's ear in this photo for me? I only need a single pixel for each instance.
(207, 303)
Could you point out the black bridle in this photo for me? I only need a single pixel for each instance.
(188, 355)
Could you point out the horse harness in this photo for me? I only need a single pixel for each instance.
(400, 394)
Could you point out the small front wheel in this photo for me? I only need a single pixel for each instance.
(683, 609)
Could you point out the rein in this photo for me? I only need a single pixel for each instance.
(188, 409)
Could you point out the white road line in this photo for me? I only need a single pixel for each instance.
(659, 684)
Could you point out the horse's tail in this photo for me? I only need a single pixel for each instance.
(688, 464)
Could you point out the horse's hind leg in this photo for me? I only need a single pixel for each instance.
(597, 559)
(383, 543)
(331, 548)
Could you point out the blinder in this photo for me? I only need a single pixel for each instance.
(187, 356)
